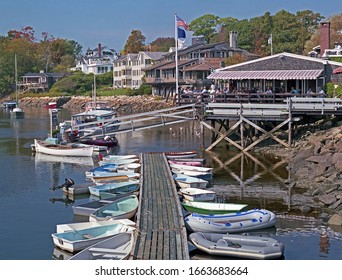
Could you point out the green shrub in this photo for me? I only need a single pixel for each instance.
(331, 91)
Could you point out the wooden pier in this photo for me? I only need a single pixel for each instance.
(247, 118)
(161, 233)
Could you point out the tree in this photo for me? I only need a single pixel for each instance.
(308, 25)
(335, 33)
(262, 29)
(285, 33)
(205, 25)
(135, 42)
(162, 44)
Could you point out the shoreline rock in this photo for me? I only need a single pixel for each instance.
(127, 104)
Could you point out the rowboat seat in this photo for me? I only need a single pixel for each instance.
(88, 236)
(106, 250)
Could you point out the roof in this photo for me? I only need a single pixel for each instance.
(280, 55)
(205, 64)
(267, 75)
(44, 74)
(338, 70)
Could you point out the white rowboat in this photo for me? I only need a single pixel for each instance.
(117, 247)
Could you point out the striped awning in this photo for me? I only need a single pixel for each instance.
(267, 75)
(338, 70)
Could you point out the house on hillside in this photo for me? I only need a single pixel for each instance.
(280, 72)
(97, 61)
(128, 69)
(195, 63)
(38, 82)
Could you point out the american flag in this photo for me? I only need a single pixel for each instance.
(182, 23)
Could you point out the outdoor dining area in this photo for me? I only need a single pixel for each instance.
(223, 95)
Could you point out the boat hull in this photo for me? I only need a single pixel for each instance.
(63, 150)
(212, 208)
(125, 208)
(75, 241)
(238, 246)
(117, 247)
(184, 181)
(196, 223)
(114, 188)
(194, 194)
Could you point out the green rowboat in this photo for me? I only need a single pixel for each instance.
(212, 207)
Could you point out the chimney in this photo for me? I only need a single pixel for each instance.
(233, 39)
(324, 32)
(99, 49)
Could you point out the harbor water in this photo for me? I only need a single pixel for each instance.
(30, 211)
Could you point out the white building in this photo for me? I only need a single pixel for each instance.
(128, 68)
(98, 61)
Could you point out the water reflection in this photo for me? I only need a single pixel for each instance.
(260, 180)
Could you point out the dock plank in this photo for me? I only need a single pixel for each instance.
(160, 225)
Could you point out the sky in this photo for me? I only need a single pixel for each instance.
(110, 22)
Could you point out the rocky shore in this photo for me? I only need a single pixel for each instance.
(127, 104)
(315, 165)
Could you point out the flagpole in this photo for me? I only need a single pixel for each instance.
(176, 54)
(271, 44)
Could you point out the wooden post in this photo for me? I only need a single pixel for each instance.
(242, 144)
(290, 123)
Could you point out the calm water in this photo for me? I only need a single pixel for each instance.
(30, 211)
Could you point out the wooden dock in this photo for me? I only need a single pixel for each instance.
(161, 233)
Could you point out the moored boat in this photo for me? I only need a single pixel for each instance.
(87, 225)
(63, 150)
(184, 181)
(105, 141)
(122, 161)
(198, 174)
(195, 194)
(196, 223)
(17, 113)
(102, 178)
(191, 168)
(124, 208)
(238, 246)
(184, 154)
(212, 207)
(85, 209)
(128, 186)
(117, 247)
(191, 163)
(78, 240)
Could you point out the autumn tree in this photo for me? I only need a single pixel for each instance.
(335, 33)
(135, 42)
(162, 44)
